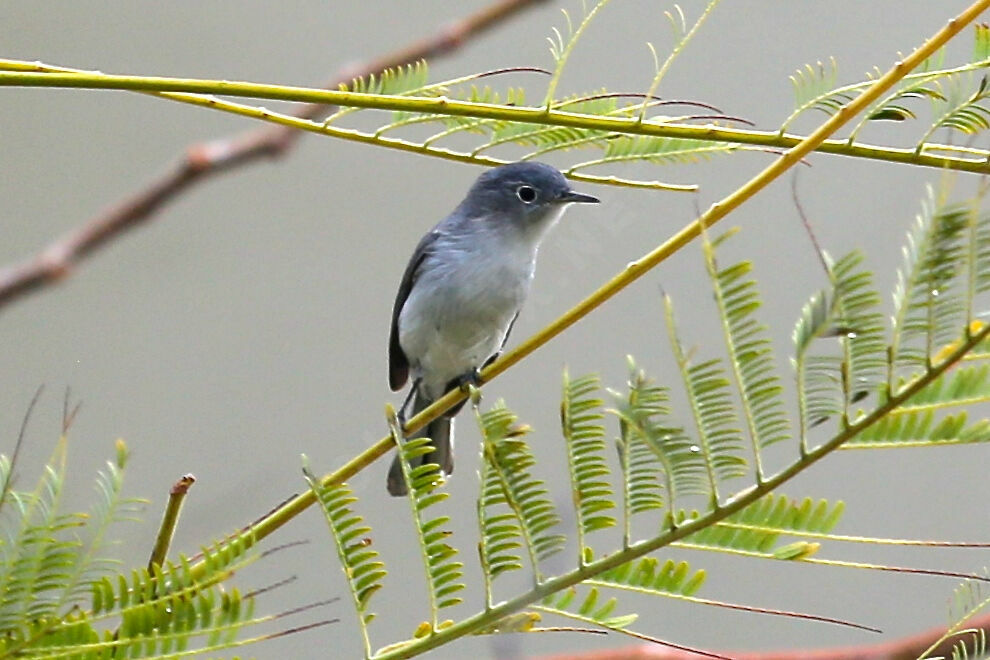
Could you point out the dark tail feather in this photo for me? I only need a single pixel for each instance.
(440, 432)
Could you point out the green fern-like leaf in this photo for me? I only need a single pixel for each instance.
(662, 150)
(757, 529)
(813, 85)
(444, 573)
(710, 398)
(501, 535)
(40, 555)
(397, 80)
(659, 459)
(928, 301)
(862, 330)
(651, 576)
(958, 387)
(362, 565)
(921, 428)
(818, 376)
(780, 514)
(962, 106)
(750, 353)
(590, 609)
(512, 461)
(591, 489)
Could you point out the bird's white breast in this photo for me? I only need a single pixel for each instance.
(462, 304)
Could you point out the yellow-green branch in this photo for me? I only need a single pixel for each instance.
(15, 73)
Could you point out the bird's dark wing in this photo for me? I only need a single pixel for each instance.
(398, 363)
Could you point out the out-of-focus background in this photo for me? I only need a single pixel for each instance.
(247, 324)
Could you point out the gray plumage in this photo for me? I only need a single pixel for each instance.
(464, 286)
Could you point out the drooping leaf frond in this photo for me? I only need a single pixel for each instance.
(818, 380)
(501, 535)
(921, 428)
(961, 386)
(780, 514)
(709, 395)
(928, 296)
(957, 101)
(590, 609)
(860, 327)
(48, 563)
(968, 600)
(958, 106)
(750, 354)
(444, 574)
(650, 575)
(591, 490)
(362, 564)
(660, 461)
(60, 600)
(757, 529)
(511, 460)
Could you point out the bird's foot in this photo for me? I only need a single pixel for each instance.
(465, 381)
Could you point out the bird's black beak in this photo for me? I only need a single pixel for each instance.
(580, 198)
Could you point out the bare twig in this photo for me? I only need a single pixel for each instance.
(904, 648)
(176, 496)
(202, 160)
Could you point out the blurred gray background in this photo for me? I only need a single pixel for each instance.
(248, 323)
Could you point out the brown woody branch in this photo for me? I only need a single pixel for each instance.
(904, 648)
(200, 161)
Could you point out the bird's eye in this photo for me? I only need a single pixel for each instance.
(526, 194)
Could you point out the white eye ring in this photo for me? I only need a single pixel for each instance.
(526, 194)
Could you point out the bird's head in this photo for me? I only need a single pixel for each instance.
(529, 195)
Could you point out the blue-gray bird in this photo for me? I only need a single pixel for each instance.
(463, 288)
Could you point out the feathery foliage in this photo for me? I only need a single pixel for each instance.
(921, 428)
(590, 609)
(444, 574)
(928, 296)
(957, 99)
(968, 600)
(591, 489)
(961, 386)
(819, 395)
(659, 459)
(750, 353)
(651, 576)
(509, 461)
(61, 597)
(780, 514)
(362, 565)
(860, 327)
(716, 422)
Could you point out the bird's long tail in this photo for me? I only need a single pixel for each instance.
(440, 432)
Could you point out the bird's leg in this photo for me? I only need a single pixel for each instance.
(405, 404)
(463, 383)
(472, 377)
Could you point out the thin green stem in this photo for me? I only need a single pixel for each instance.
(678, 47)
(567, 49)
(684, 367)
(170, 519)
(979, 162)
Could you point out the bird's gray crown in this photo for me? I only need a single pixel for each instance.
(523, 190)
